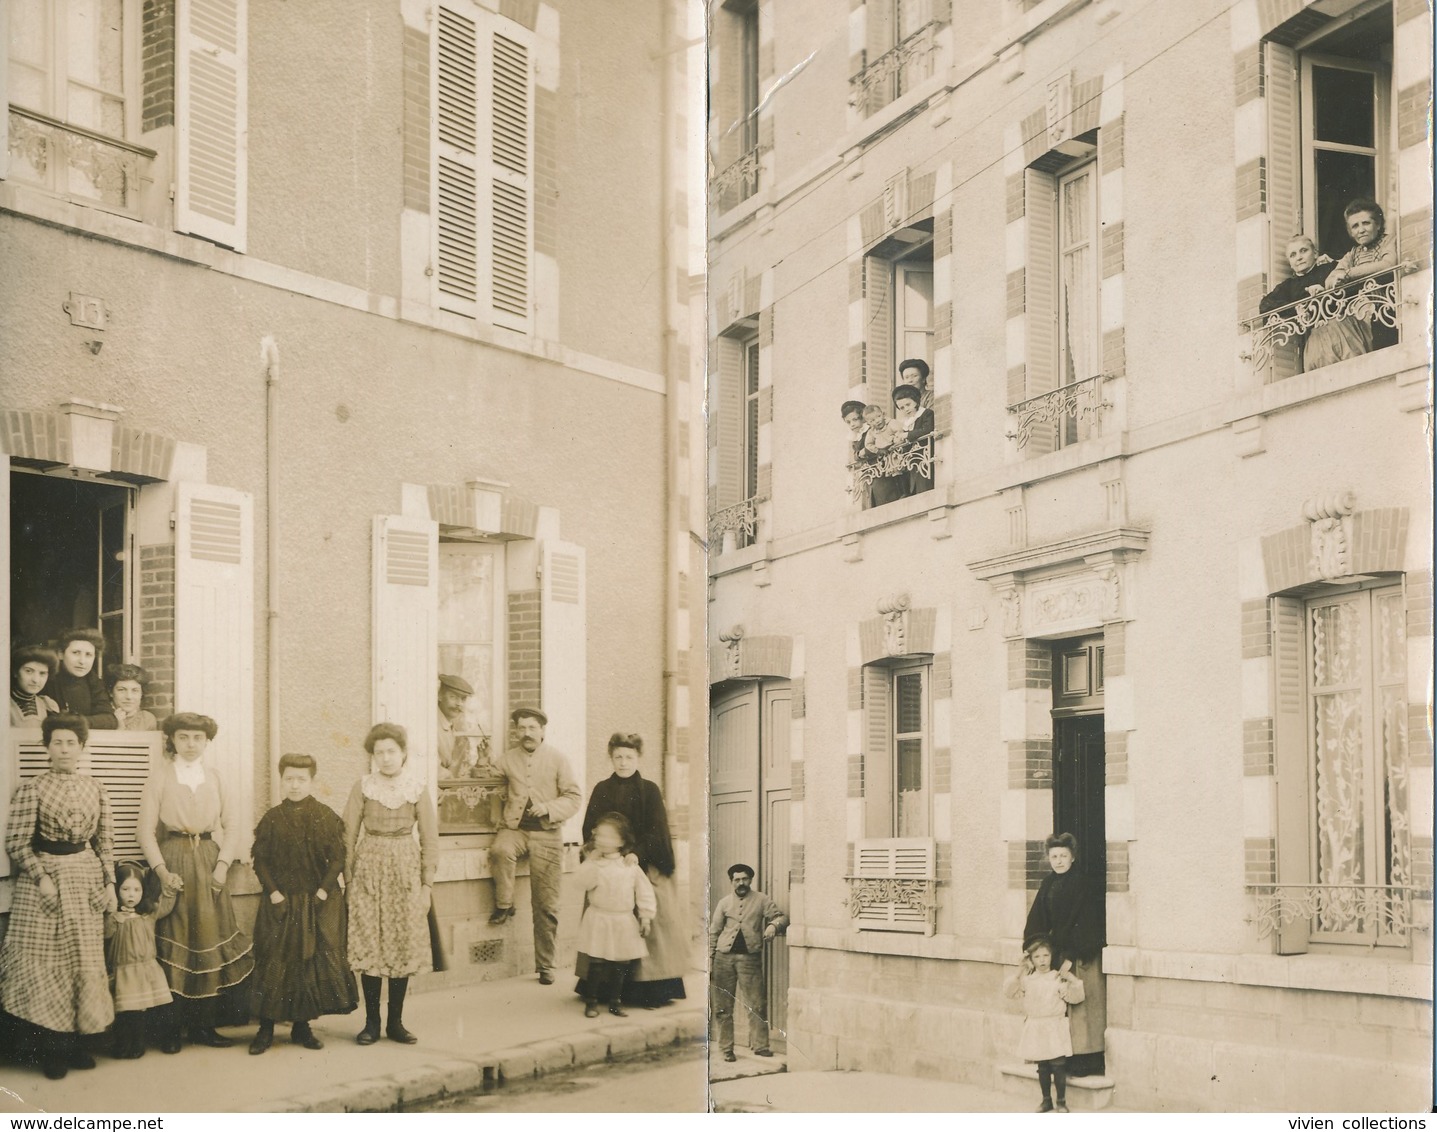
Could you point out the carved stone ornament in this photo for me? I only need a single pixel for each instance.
(1331, 519)
(733, 651)
(894, 610)
(1012, 605)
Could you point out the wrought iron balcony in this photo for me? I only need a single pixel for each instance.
(740, 180)
(734, 527)
(914, 459)
(895, 71)
(1378, 913)
(1074, 410)
(76, 162)
(1277, 336)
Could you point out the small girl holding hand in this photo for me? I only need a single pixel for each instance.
(1045, 995)
(609, 934)
(136, 980)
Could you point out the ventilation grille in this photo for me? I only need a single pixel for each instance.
(215, 530)
(486, 951)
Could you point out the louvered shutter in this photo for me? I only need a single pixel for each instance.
(456, 173)
(122, 761)
(406, 634)
(510, 97)
(563, 663)
(878, 359)
(877, 751)
(1284, 180)
(881, 29)
(214, 633)
(907, 859)
(728, 416)
(1290, 744)
(211, 119)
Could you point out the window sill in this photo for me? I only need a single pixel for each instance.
(916, 100)
(902, 943)
(1371, 973)
(740, 559)
(1083, 454)
(739, 214)
(900, 510)
(1329, 380)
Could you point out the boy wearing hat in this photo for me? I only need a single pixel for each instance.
(542, 796)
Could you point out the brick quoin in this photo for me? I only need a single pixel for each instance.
(157, 626)
(157, 64)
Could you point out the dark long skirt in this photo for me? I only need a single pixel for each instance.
(301, 960)
(657, 979)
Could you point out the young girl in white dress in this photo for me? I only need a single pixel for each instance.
(1045, 994)
(621, 907)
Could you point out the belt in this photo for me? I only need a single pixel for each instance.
(188, 836)
(57, 848)
(387, 832)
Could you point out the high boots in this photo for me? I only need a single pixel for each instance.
(395, 1030)
(371, 985)
(617, 972)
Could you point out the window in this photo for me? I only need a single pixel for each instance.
(736, 96)
(900, 52)
(748, 82)
(69, 565)
(483, 166)
(68, 61)
(911, 804)
(735, 473)
(1340, 730)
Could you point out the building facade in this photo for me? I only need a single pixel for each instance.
(1154, 572)
(327, 366)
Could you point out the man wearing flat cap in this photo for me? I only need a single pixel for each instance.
(456, 752)
(542, 795)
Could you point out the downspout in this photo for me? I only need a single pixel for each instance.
(269, 354)
(671, 418)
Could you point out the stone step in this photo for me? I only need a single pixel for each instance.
(1085, 1094)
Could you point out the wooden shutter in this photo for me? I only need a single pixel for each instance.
(456, 168)
(511, 181)
(563, 661)
(877, 751)
(406, 634)
(1040, 289)
(1284, 180)
(908, 858)
(878, 359)
(1290, 743)
(728, 416)
(211, 119)
(881, 30)
(122, 761)
(214, 632)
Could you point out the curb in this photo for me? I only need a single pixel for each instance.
(455, 1076)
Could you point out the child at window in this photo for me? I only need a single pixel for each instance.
(301, 969)
(77, 687)
(617, 890)
(30, 669)
(881, 440)
(136, 980)
(1045, 994)
(127, 683)
(1326, 342)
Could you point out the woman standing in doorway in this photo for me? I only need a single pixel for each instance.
(1069, 912)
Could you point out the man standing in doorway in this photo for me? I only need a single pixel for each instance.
(542, 795)
(742, 921)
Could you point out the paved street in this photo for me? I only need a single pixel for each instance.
(668, 1081)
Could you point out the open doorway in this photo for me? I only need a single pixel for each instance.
(69, 559)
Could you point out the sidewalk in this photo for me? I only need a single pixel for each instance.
(846, 1091)
(468, 1035)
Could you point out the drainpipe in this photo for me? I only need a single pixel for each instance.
(269, 354)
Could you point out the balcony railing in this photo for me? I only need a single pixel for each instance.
(1376, 913)
(734, 527)
(76, 162)
(1074, 411)
(740, 180)
(1275, 337)
(896, 71)
(913, 461)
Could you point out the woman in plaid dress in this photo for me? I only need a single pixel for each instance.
(52, 965)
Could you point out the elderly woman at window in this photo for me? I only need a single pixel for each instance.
(1330, 340)
(1374, 250)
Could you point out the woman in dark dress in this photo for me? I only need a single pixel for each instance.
(1069, 912)
(658, 979)
(77, 686)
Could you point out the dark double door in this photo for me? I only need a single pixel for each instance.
(1079, 776)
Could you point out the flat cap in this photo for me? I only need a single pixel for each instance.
(458, 683)
(534, 713)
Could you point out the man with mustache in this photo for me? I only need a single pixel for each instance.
(542, 795)
(742, 922)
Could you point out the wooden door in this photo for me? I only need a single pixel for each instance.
(1078, 782)
(775, 785)
(733, 785)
